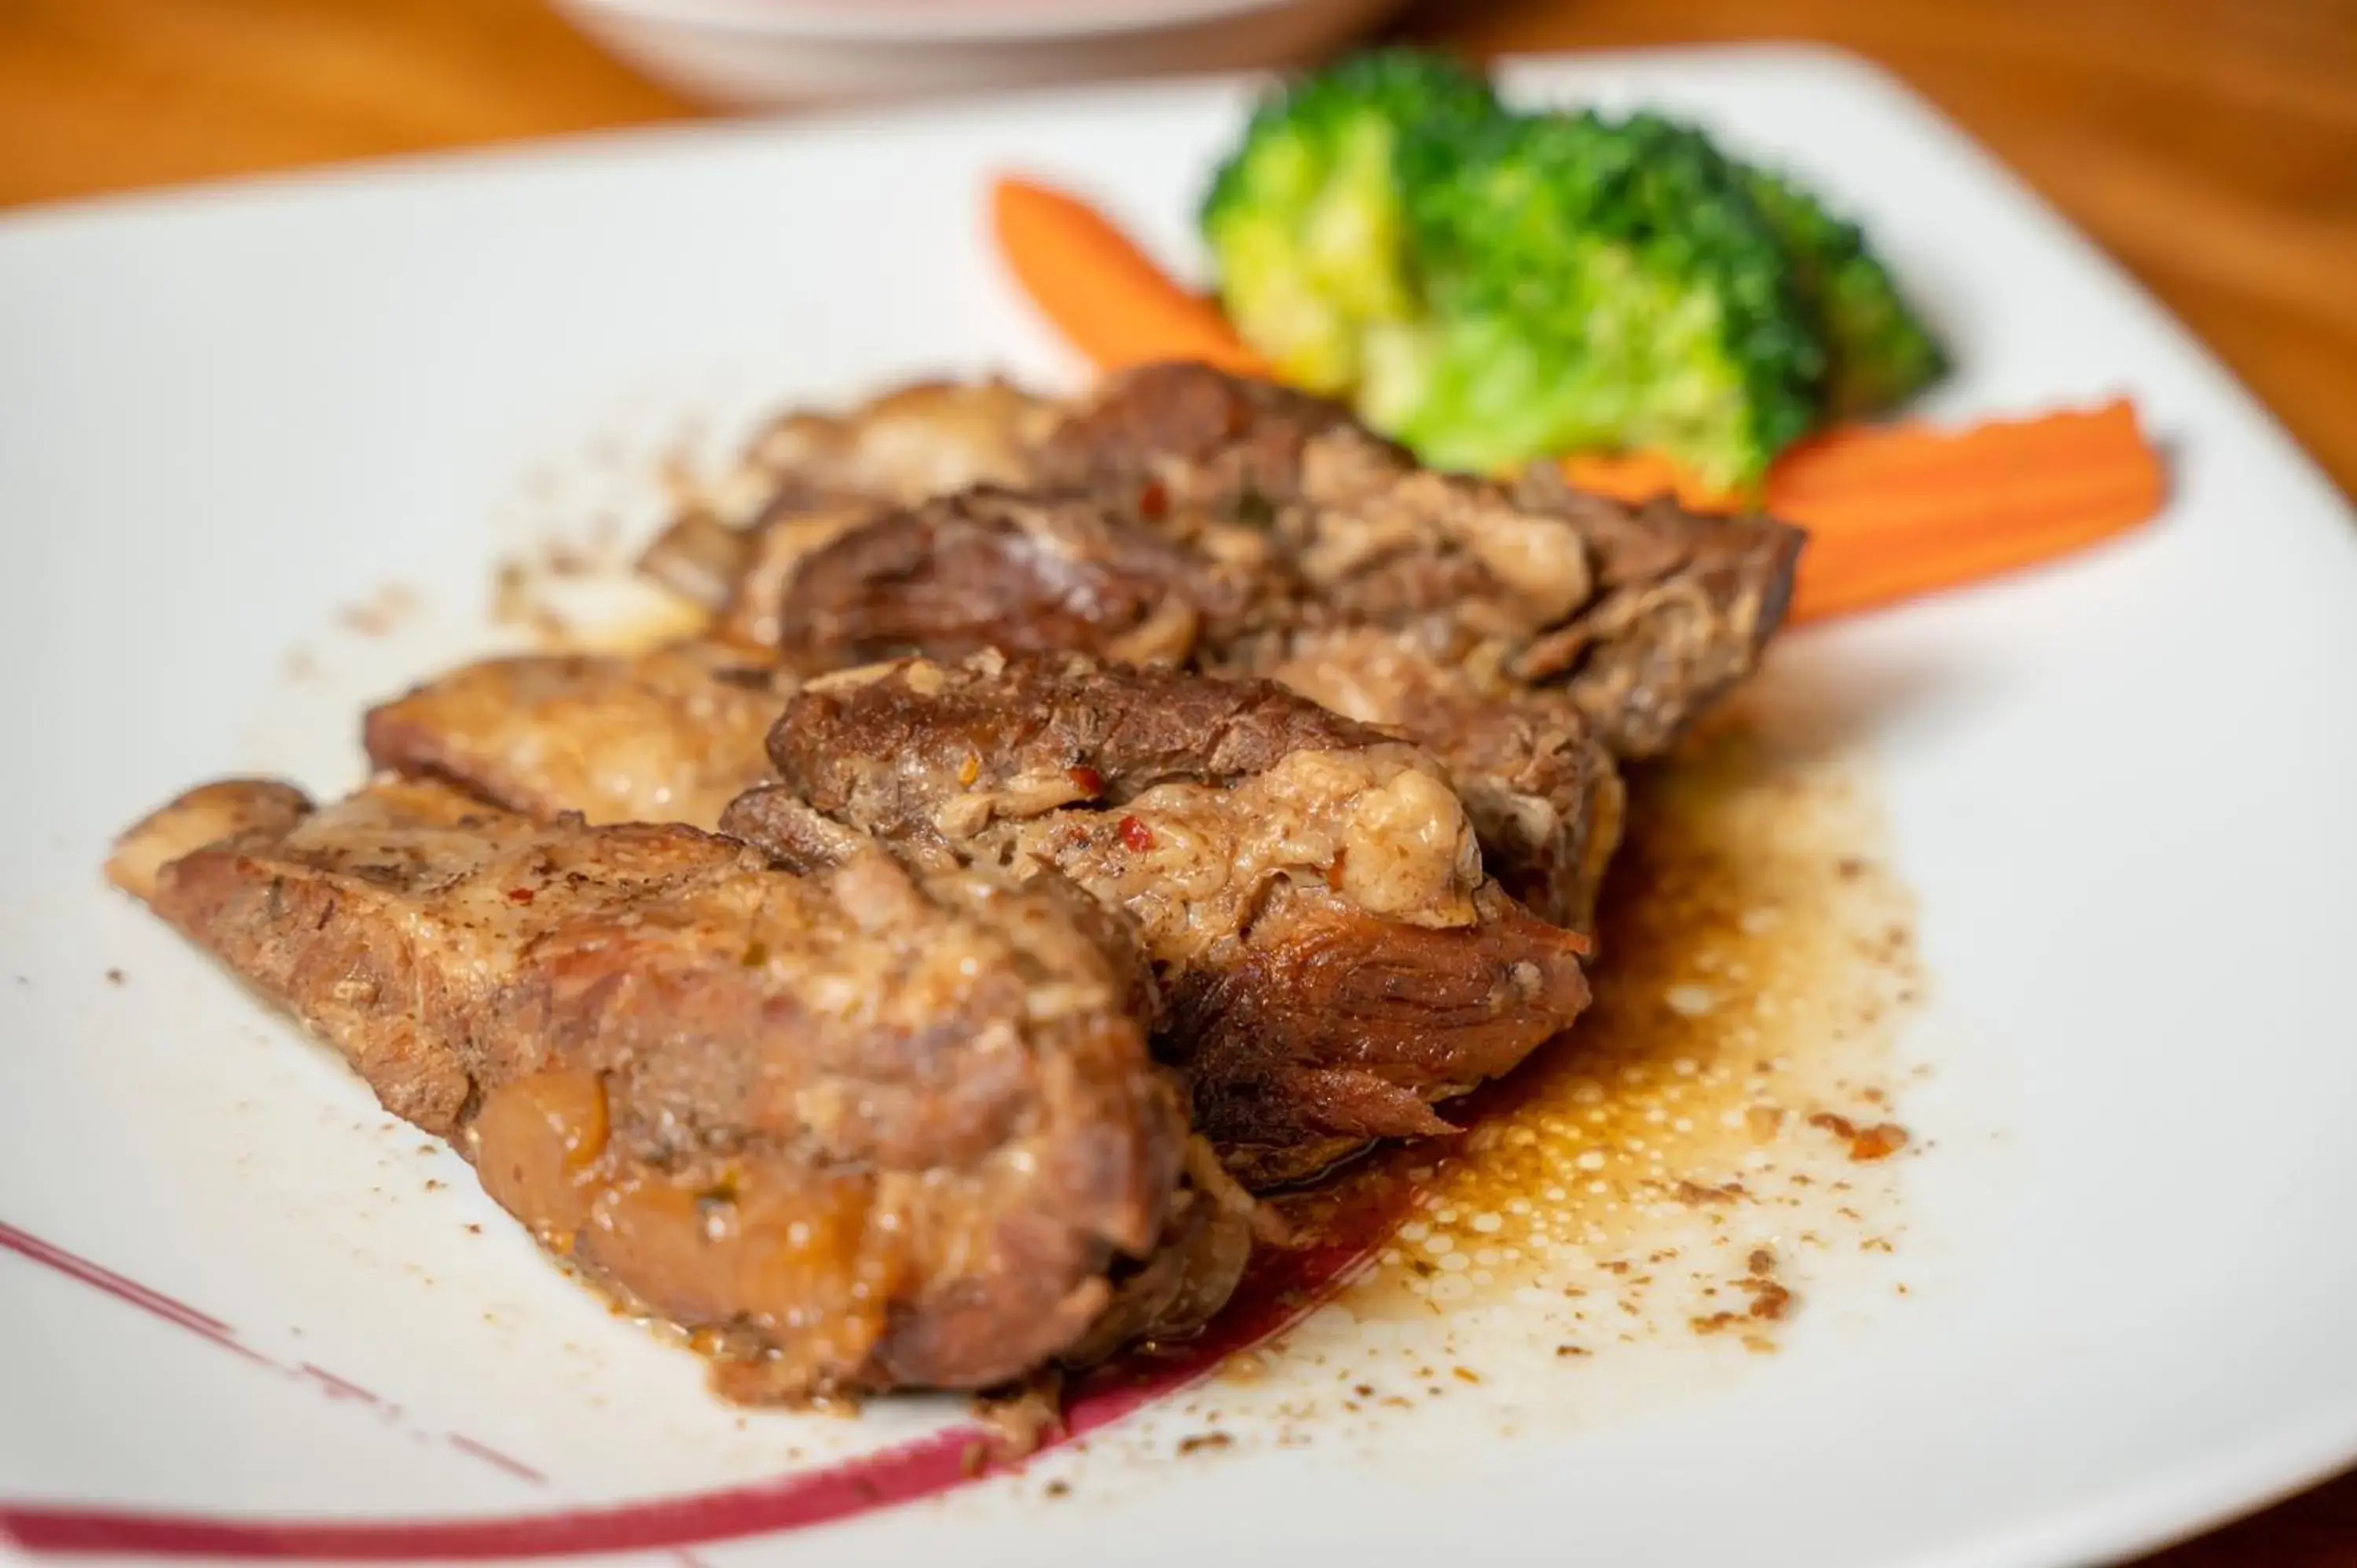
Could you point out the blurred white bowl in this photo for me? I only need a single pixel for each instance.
(759, 52)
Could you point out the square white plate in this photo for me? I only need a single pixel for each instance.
(2123, 791)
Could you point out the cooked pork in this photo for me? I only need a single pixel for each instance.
(1235, 755)
(1308, 889)
(670, 736)
(1542, 793)
(1018, 572)
(919, 440)
(859, 1130)
(1642, 615)
(1194, 437)
(924, 439)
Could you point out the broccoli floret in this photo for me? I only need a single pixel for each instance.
(1878, 350)
(1492, 287)
(1590, 283)
(1303, 221)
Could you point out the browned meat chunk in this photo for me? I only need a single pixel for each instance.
(925, 439)
(1308, 889)
(1542, 795)
(1200, 438)
(1683, 606)
(750, 609)
(1644, 616)
(993, 568)
(919, 440)
(859, 1130)
(671, 735)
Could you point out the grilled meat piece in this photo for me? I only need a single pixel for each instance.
(1308, 889)
(1543, 794)
(670, 736)
(1645, 616)
(1201, 438)
(922, 439)
(1683, 604)
(860, 1131)
(995, 568)
(925, 439)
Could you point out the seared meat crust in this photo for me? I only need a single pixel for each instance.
(1308, 889)
(1644, 616)
(861, 1131)
(669, 736)
(995, 568)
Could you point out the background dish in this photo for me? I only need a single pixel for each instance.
(750, 52)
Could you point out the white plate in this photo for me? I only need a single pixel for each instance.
(2121, 789)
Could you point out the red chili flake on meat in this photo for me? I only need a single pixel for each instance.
(520, 895)
(1087, 780)
(1137, 834)
(1154, 499)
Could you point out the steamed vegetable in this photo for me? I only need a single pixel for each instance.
(1492, 287)
(1590, 283)
(1878, 352)
(1305, 215)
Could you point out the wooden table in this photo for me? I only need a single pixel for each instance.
(2210, 143)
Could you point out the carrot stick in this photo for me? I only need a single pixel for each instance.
(1897, 510)
(1857, 459)
(1905, 510)
(1103, 294)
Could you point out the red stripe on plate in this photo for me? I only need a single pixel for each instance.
(466, 1444)
(116, 1285)
(1271, 1301)
(338, 1387)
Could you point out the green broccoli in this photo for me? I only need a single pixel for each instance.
(1879, 352)
(1304, 219)
(1590, 283)
(1492, 287)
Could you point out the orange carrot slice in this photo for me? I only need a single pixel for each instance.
(1103, 294)
(1869, 457)
(1904, 510)
(1897, 510)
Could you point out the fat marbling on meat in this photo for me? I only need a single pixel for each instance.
(860, 1130)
